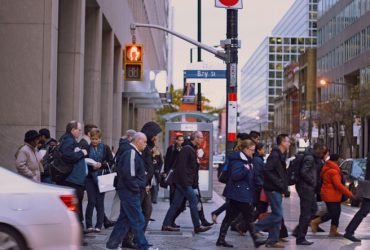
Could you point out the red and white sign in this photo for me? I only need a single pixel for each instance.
(232, 116)
(230, 4)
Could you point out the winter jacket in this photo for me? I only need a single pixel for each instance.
(187, 167)
(28, 162)
(84, 143)
(274, 172)
(150, 129)
(258, 165)
(332, 188)
(309, 173)
(71, 153)
(131, 171)
(171, 157)
(242, 180)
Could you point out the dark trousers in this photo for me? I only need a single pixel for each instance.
(95, 199)
(155, 189)
(232, 211)
(131, 216)
(359, 216)
(221, 209)
(80, 191)
(308, 209)
(333, 213)
(146, 205)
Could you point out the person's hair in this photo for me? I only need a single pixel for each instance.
(318, 146)
(280, 138)
(45, 132)
(130, 133)
(243, 144)
(95, 132)
(325, 149)
(137, 136)
(334, 157)
(254, 134)
(194, 135)
(179, 136)
(88, 128)
(71, 125)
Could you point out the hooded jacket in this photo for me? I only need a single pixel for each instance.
(309, 173)
(332, 188)
(124, 145)
(274, 172)
(150, 129)
(242, 180)
(187, 167)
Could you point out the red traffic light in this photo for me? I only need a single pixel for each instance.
(134, 53)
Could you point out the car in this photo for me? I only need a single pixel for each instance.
(353, 170)
(37, 216)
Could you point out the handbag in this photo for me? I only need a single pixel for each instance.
(106, 181)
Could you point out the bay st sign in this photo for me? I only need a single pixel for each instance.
(205, 74)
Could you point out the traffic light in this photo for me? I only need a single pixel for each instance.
(133, 62)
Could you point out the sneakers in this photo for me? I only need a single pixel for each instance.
(90, 230)
(97, 230)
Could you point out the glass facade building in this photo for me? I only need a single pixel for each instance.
(263, 74)
(344, 50)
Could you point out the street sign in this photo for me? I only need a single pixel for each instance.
(232, 117)
(205, 74)
(230, 4)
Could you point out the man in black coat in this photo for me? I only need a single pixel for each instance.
(151, 130)
(275, 185)
(186, 179)
(306, 188)
(364, 209)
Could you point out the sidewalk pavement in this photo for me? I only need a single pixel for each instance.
(186, 239)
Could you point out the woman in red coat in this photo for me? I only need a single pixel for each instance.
(332, 192)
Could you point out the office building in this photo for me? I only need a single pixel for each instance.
(62, 61)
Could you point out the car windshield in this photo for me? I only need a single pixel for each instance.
(358, 169)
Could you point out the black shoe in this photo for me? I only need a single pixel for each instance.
(304, 243)
(109, 224)
(174, 225)
(223, 243)
(170, 229)
(351, 237)
(320, 230)
(151, 219)
(201, 229)
(130, 245)
(84, 243)
(205, 223)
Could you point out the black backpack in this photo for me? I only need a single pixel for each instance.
(294, 168)
(58, 168)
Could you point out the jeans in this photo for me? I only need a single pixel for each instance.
(131, 216)
(95, 199)
(359, 216)
(333, 214)
(308, 206)
(115, 208)
(272, 222)
(181, 193)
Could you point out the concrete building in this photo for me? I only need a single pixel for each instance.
(343, 61)
(263, 74)
(61, 60)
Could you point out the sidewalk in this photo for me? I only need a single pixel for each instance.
(186, 239)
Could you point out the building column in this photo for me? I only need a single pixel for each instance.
(125, 115)
(28, 69)
(71, 43)
(93, 65)
(117, 95)
(107, 68)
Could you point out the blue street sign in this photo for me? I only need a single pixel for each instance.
(205, 74)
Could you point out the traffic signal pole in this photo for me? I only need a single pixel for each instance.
(231, 47)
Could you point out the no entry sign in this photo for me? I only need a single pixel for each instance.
(230, 4)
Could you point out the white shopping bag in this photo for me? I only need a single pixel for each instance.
(105, 182)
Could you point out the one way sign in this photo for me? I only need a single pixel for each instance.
(229, 4)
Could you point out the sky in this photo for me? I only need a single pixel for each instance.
(256, 21)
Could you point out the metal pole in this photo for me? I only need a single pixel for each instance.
(310, 123)
(231, 47)
(199, 29)
(199, 97)
(191, 55)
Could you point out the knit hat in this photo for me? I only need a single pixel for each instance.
(45, 132)
(31, 135)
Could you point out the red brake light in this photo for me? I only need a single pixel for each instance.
(70, 201)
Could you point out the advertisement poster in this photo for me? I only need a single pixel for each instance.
(203, 150)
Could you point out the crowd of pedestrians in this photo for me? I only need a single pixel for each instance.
(253, 184)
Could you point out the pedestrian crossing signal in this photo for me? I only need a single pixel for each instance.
(133, 62)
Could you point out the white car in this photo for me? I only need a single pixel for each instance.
(37, 216)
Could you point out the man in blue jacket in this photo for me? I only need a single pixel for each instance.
(131, 182)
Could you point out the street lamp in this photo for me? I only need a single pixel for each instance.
(324, 83)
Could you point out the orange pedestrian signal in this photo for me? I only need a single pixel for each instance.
(133, 62)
